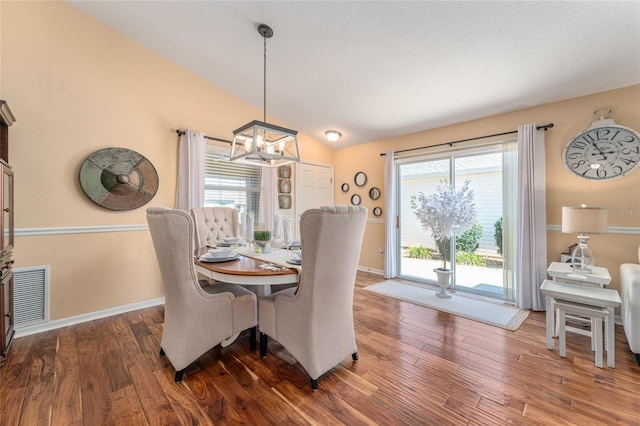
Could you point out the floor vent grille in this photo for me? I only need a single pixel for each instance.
(30, 295)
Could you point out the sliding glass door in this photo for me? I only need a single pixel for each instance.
(476, 256)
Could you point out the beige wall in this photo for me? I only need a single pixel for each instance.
(563, 188)
(76, 86)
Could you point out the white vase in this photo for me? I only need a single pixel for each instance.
(265, 246)
(444, 279)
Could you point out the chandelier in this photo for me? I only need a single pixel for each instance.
(261, 143)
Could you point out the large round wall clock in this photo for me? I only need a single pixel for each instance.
(604, 151)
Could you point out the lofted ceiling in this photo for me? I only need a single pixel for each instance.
(379, 69)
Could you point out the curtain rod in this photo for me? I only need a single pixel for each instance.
(542, 127)
(211, 138)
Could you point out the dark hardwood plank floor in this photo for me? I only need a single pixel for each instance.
(417, 366)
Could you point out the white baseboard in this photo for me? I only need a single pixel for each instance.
(371, 270)
(64, 322)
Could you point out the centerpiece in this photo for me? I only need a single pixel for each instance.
(262, 239)
(444, 213)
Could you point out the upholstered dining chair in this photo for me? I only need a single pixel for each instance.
(213, 224)
(196, 318)
(315, 321)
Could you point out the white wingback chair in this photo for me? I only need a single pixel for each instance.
(630, 294)
(195, 318)
(315, 322)
(213, 224)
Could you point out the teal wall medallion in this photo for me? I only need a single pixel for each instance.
(118, 179)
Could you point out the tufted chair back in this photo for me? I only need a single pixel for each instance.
(213, 224)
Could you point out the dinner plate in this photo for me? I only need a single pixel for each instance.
(295, 245)
(294, 261)
(222, 244)
(234, 240)
(206, 259)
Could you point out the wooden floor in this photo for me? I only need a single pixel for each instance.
(417, 366)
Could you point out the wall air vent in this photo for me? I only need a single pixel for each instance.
(31, 295)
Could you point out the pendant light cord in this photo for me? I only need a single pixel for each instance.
(264, 85)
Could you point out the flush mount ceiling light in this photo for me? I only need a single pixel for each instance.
(333, 135)
(259, 142)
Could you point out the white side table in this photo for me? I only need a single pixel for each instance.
(563, 272)
(593, 296)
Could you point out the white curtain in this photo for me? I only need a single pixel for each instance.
(509, 216)
(269, 197)
(531, 257)
(191, 156)
(390, 266)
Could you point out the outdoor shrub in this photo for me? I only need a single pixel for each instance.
(420, 253)
(466, 258)
(468, 241)
(498, 235)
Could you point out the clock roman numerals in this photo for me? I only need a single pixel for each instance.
(603, 153)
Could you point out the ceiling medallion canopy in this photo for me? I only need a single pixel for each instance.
(261, 143)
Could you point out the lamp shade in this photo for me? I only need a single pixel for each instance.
(584, 220)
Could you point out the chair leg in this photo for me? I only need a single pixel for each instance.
(264, 339)
(179, 375)
(252, 338)
(354, 356)
(314, 385)
(161, 352)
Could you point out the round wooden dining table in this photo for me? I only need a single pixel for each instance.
(246, 270)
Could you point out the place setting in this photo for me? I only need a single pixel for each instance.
(219, 254)
(295, 257)
(231, 242)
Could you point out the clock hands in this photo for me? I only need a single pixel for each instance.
(599, 150)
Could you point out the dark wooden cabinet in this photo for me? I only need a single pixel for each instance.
(6, 237)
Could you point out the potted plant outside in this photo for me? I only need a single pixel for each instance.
(444, 213)
(262, 239)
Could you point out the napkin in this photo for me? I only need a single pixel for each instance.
(250, 222)
(277, 221)
(243, 225)
(288, 236)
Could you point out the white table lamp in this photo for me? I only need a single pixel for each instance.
(584, 220)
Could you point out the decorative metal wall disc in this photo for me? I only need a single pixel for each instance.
(118, 179)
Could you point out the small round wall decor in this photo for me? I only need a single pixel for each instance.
(118, 179)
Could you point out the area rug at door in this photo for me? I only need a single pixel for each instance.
(491, 313)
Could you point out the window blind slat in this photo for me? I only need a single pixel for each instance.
(231, 184)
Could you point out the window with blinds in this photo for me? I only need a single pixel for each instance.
(229, 184)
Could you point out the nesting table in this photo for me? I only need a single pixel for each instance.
(563, 272)
(592, 296)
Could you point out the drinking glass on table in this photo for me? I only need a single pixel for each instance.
(288, 240)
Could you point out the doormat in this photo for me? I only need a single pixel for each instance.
(496, 314)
